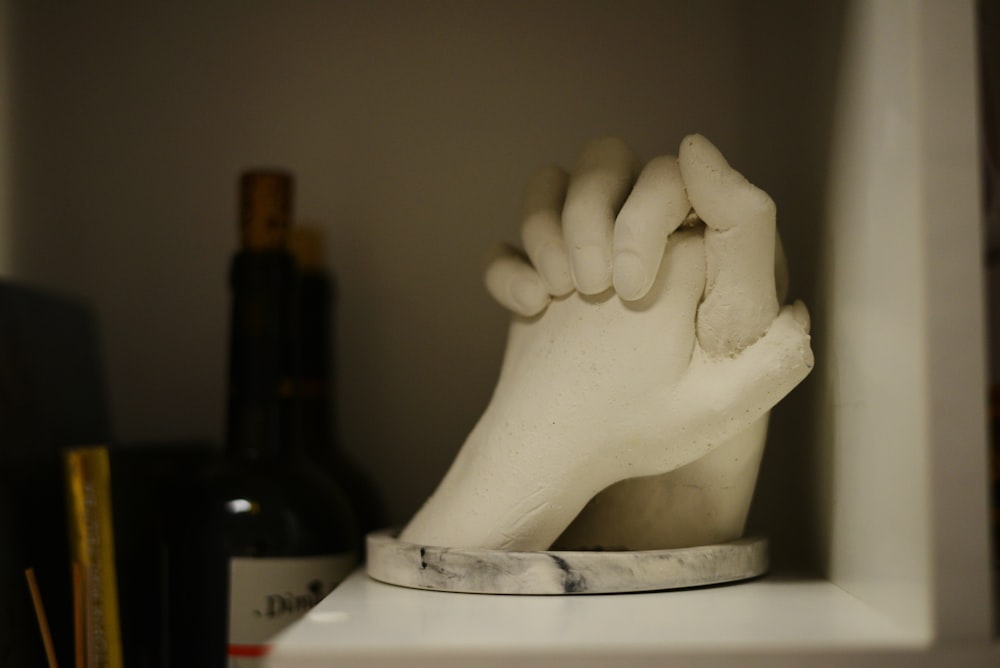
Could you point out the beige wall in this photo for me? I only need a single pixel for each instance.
(6, 242)
(412, 127)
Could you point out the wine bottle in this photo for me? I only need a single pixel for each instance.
(317, 306)
(263, 535)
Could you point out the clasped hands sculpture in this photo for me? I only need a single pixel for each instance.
(647, 348)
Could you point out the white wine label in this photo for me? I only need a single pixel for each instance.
(268, 594)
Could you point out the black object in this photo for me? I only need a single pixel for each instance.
(264, 501)
(52, 395)
(145, 481)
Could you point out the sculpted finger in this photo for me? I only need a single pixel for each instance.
(766, 371)
(513, 282)
(598, 188)
(541, 231)
(740, 295)
(678, 287)
(798, 312)
(729, 394)
(655, 208)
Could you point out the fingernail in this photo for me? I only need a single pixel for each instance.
(591, 269)
(528, 296)
(629, 276)
(554, 269)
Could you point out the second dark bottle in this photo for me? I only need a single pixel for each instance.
(267, 534)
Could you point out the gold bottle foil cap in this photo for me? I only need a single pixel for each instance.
(265, 209)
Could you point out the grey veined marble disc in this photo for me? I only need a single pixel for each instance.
(500, 572)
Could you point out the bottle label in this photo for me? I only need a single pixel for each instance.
(268, 594)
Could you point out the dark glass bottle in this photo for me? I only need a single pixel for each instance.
(263, 535)
(317, 297)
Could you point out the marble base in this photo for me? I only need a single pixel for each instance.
(395, 562)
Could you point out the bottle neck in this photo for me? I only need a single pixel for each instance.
(262, 416)
(316, 373)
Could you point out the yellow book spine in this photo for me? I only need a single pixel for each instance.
(91, 535)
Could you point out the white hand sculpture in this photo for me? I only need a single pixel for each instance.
(708, 500)
(596, 388)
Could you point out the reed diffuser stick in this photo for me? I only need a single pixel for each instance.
(43, 621)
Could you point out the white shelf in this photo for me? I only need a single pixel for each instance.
(767, 621)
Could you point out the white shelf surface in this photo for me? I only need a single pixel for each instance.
(772, 619)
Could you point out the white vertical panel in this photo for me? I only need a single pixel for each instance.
(873, 331)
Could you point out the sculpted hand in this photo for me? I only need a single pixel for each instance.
(600, 385)
(706, 501)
